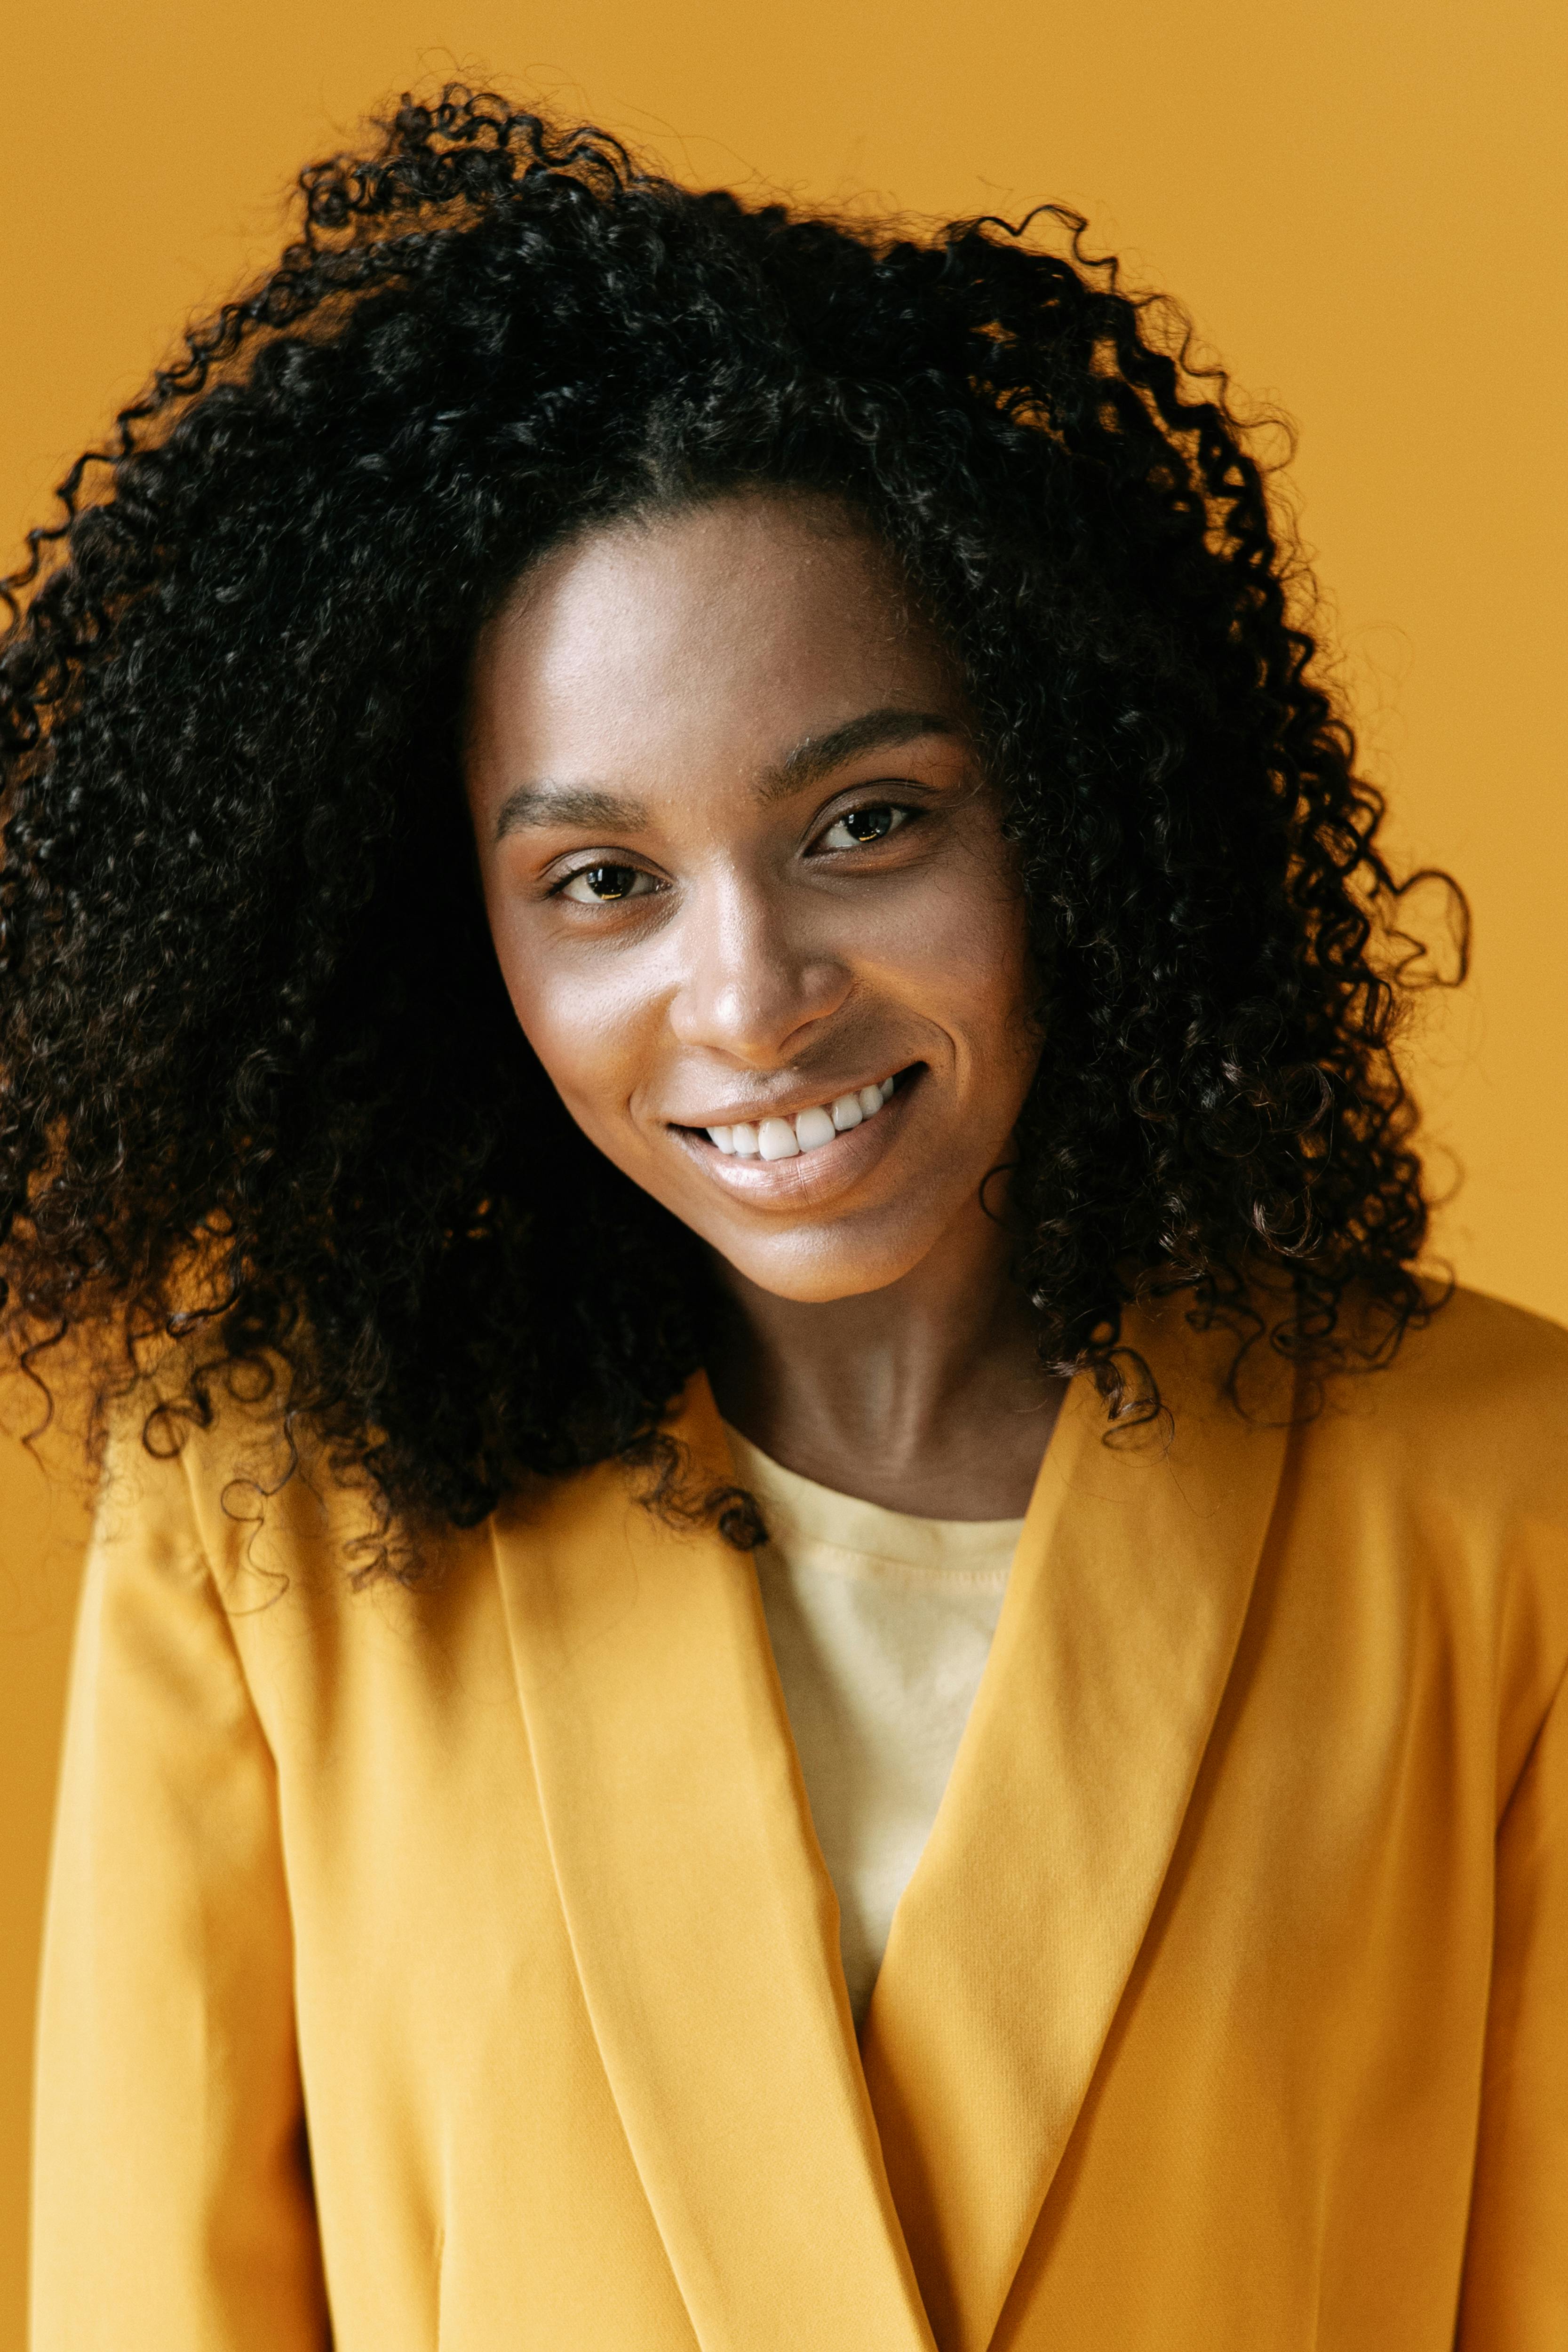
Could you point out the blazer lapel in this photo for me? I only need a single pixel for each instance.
(704, 1926)
(1017, 1932)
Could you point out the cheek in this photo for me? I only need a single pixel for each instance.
(586, 1027)
(961, 958)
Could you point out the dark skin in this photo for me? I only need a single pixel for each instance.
(741, 863)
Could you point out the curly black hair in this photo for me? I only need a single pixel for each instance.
(263, 1092)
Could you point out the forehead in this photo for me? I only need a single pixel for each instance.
(727, 631)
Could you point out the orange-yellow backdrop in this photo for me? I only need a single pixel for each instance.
(1359, 200)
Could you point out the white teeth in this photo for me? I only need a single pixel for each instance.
(785, 1138)
(776, 1137)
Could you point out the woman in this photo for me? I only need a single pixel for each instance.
(801, 1633)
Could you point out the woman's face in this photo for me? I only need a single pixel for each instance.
(745, 878)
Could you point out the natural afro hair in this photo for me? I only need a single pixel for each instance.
(261, 1090)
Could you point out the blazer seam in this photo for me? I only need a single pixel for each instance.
(209, 1576)
(1522, 1774)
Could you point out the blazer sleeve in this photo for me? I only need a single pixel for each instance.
(1515, 2296)
(171, 2208)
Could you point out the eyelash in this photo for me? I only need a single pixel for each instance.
(601, 865)
(898, 810)
(900, 813)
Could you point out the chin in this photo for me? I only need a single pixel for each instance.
(814, 1276)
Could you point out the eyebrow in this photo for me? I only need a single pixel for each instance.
(577, 805)
(874, 730)
(815, 756)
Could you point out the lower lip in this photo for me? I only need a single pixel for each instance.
(810, 1176)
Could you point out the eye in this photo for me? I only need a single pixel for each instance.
(592, 886)
(858, 826)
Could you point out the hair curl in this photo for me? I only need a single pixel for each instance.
(260, 1087)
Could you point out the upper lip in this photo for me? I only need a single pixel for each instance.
(788, 1105)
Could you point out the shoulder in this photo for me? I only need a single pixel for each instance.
(1440, 1483)
(217, 1468)
(1471, 1335)
(238, 1517)
(1474, 1405)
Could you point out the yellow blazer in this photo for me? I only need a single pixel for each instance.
(461, 1964)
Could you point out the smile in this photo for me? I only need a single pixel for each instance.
(808, 1131)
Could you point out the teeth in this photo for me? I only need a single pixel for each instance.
(813, 1129)
(777, 1138)
(785, 1138)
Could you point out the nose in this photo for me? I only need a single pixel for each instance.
(757, 972)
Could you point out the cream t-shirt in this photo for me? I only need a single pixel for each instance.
(881, 1626)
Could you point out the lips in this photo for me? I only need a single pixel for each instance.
(807, 1130)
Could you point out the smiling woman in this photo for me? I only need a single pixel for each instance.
(753, 906)
(695, 978)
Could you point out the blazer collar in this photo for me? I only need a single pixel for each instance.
(1015, 1937)
(703, 1924)
(806, 2191)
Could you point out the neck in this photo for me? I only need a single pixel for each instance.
(927, 1396)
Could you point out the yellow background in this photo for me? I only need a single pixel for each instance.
(1362, 202)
